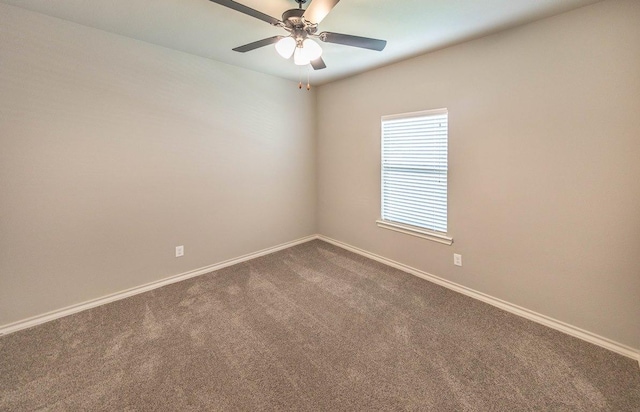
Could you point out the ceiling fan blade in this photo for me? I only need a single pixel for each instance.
(257, 44)
(318, 64)
(248, 10)
(318, 10)
(355, 41)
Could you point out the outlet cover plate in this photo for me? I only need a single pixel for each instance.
(457, 259)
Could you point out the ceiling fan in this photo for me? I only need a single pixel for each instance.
(302, 25)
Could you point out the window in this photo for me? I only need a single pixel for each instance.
(414, 174)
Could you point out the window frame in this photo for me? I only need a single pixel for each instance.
(421, 232)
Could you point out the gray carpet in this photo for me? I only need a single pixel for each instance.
(312, 327)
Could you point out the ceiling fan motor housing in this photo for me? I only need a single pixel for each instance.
(295, 23)
(293, 17)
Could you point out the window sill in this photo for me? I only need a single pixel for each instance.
(414, 231)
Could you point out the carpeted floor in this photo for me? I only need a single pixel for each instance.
(312, 327)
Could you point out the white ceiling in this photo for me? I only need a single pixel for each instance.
(206, 29)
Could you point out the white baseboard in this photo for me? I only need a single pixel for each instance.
(509, 307)
(69, 310)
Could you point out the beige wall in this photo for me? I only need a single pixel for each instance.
(114, 151)
(544, 155)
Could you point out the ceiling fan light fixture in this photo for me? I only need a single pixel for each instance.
(311, 49)
(300, 58)
(286, 46)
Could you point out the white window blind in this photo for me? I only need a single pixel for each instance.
(414, 169)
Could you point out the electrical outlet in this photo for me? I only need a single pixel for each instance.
(457, 259)
(179, 251)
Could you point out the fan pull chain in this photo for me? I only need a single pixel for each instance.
(300, 79)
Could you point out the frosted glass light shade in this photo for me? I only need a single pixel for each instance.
(285, 46)
(311, 49)
(300, 57)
